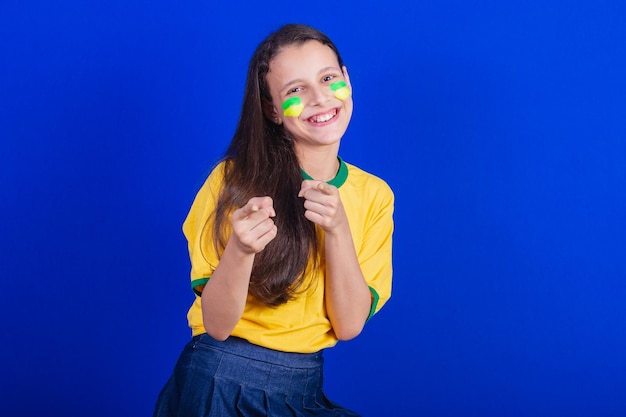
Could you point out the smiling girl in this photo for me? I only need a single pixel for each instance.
(290, 246)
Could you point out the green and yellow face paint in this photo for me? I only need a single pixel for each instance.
(341, 89)
(292, 107)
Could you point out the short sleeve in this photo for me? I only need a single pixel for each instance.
(375, 253)
(198, 227)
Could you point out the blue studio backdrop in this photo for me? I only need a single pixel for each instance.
(501, 127)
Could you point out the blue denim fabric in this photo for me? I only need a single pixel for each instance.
(237, 378)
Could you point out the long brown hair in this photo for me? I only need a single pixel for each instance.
(261, 161)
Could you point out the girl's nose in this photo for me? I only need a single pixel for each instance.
(320, 95)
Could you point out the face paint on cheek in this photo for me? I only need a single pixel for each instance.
(341, 90)
(293, 107)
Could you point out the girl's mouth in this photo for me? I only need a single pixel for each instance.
(323, 117)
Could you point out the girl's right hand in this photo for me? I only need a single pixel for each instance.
(253, 227)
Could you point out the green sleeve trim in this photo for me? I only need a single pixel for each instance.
(375, 298)
(200, 282)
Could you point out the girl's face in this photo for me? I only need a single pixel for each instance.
(311, 94)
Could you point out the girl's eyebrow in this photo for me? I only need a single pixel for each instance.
(291, 83)
(331, 69)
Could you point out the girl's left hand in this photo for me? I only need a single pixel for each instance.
(323, 205)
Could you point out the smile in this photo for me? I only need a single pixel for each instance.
(324, 117)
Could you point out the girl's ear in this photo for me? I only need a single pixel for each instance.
(270, 112)
(345, 74)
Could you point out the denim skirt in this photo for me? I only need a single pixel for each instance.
(238, 378)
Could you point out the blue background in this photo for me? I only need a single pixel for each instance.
(501, 127)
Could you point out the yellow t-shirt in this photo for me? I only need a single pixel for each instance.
(302, 324)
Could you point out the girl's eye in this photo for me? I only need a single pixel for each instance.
(295, 90)
(328, 78)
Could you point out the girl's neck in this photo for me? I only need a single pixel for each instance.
(320, 165)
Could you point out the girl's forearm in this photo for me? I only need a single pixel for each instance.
(224, 295)
(348, 298)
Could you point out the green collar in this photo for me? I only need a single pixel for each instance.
(340, 178)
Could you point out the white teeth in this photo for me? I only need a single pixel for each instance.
(324, 117)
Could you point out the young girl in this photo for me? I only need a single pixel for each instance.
(290, 246)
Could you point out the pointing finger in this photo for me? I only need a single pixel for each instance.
(325, 188)
(308, 185)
